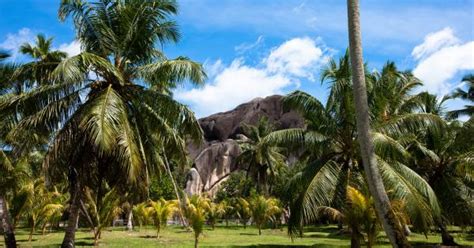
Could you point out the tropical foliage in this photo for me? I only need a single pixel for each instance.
(89, 138)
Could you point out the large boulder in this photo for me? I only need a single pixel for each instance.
(212, 166)
(215, 159)
(225, 125)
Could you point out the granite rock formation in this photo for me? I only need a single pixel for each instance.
(215, 160)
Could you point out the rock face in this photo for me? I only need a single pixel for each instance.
(225, 125)
(215, 160)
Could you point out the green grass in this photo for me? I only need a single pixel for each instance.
(174, 236)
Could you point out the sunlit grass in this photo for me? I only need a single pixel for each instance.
(233, 236)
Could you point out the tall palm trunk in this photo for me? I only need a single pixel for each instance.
(8, 233)
(73, 218)
(385, 213)
(176, 191)
(130, 219)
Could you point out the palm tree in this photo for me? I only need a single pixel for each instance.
(328, 145)
(443, 156)
(468, 95)
(100, 212)
(124, 116)
(10, 180)
(196, 211)
(216, 211)
(44, 61)
(385, 213)
(142, 213)
(161, 212)
(262, 159)
(243, 210)
(6, 167)
(263, 210)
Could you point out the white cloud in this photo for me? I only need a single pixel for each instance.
(14, 41)
(298, 57)
(244, 47)
(434, 41)
(440, 58)
(236, 83)
(73, 48)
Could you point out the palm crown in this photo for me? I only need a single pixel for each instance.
(109, 99)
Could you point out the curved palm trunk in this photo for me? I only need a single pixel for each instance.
(385, 213)
(73, 218)
(6, 225)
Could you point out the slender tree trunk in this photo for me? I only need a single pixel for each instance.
(43, 229)
(446, 238)
(259, 230)
(355, 238)
(176, 191)
(8, 233)
(73, 218)
(97, 232)
(196, 241)
(32, 231)
(385, 213)
(130, 219)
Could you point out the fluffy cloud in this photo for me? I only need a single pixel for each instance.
(440, 58)
(298, 57)
(236, 83)
(435, 41)
(73, 48)
(14, 41)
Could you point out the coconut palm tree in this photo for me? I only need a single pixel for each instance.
(11, 175)
(161, 212)
(216, 211)
(108, 99)
(44, 61)
(467, 95)
(329, 146)
(101, 211)
(263, 210)
(444, 157)
(195, 212)
(6, 167)
(243, 210)
(142, 213)
(261, 159)
(391, 225)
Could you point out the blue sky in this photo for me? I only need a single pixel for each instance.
(258, 48)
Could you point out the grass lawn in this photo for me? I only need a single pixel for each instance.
(174, 236)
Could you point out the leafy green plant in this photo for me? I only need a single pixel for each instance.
(161, 211)
(196, 211)
(264, 210)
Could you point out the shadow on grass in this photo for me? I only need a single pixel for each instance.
(282, 246)
(321, 229)
(42, 246)
(26, 240)
(249, 234)
(84, 243)
(148, 236)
